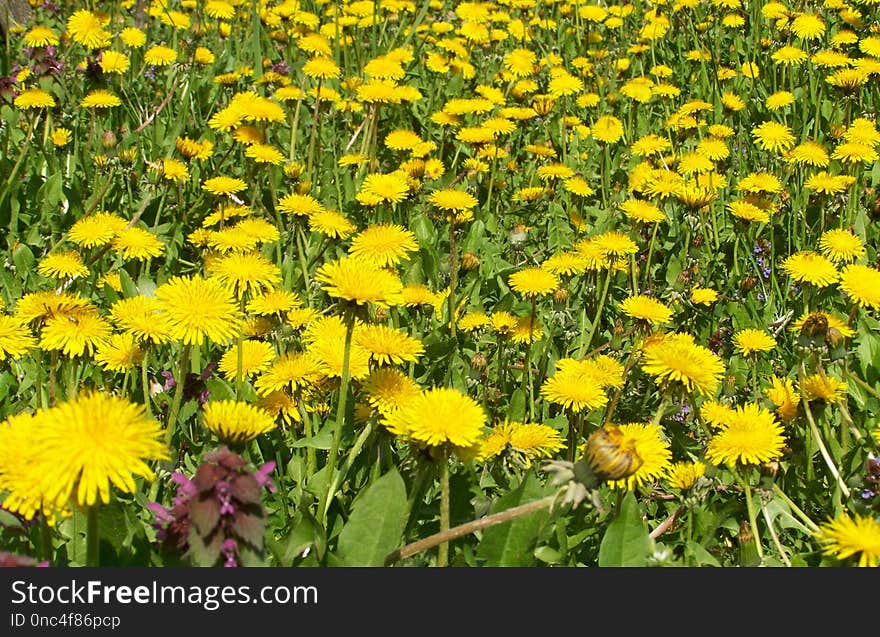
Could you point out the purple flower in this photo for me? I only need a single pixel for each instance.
(262, 476)
(229, 550)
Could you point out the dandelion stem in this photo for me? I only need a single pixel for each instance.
(46, 539)
(145, 381)
(453, 276)
(795, 508)
(650, 254)
(171, 425)
(527, 368)
(313, 136)
(13, 215)
(822, 449)
(443, 551)
(324, 504)
(585, 344)
(774, 536)
(239, 372)
(92, 536)
(753, 522)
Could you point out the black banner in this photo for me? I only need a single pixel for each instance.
(142, 600)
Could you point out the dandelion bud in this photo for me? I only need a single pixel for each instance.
(381, 314)
(293, 169)
(543, 104)
(128, 155)
(770, 468)
(610, 456)
(470, 261)
(560, 295)
(108, 139)
(748, 283)
(303, 187)
(479, 361)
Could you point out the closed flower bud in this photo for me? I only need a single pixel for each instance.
(293, 169)
(303, 187)
(381, 314)
(560, 295)
(108, 139)
(543, 104)
(470, 261)
(479, 361)
(770, 468)
(609, 456)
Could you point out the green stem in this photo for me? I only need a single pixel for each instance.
(795, 508)
(324, 505)
(239, 372)
(443, 551)
(585, 345)
(178, 395)
(92, 536)
(313, 135)
(453, 276)
(145, 381)
(650, 254)
(352, 455)
(752, 519)
(527, 367)
(46, 539)
(774, 536)
(13, 216)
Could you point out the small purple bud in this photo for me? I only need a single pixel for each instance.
(262, 476)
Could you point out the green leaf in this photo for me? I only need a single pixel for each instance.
(700, 555)
(129, 289)
(51, 194)
(510, 543)
(10, 521)
(516, 409)
(321, 440)
(626, 541)
(376, 524)
(23, 259)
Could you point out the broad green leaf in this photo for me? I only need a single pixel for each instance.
(626, 541)
(516, 409)
(23, 259)
(510, 543)
(376, 524)
(700, 555)
(51, 194)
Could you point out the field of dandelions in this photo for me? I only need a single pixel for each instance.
(429, 283)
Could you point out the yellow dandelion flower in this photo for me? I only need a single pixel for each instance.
(383, 244)
(753, 341)
(236, 422)
(360, 281)
(849, 536)
(197, 309)
(810, 267)
(677, 359)
(652, 448)
(438, 416)
(63, 265)
(751, 437)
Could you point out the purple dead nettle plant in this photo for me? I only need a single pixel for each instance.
(217, 517)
